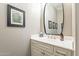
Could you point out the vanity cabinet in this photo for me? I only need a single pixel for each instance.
(43, 49)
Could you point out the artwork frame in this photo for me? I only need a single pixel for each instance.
(15, 17)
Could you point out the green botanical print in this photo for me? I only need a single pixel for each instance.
(16, 18)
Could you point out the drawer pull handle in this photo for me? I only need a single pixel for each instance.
(60, 53)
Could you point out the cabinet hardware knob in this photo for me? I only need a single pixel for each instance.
(43, 53)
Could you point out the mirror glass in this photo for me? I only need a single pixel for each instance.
(53, 18)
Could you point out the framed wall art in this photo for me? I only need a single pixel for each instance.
(15, 17)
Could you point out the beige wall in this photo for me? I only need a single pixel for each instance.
(77, 27)
(67, 19)
(16, 41)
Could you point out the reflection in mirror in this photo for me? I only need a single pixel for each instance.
(53, 18)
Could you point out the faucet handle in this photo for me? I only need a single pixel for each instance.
(61, 37)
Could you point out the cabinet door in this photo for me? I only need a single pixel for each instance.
(61, 52)
(36, 52)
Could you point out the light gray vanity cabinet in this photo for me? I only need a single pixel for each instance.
(43, 49)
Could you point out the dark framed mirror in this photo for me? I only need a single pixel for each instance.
(53, 16)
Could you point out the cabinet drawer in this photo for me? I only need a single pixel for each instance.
(61, 52)
(42, 46)
(39, 52)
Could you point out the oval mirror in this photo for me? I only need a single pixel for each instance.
(53, 18)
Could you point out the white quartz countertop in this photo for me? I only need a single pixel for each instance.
(68, 42)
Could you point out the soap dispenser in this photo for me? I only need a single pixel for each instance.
(41, 34)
